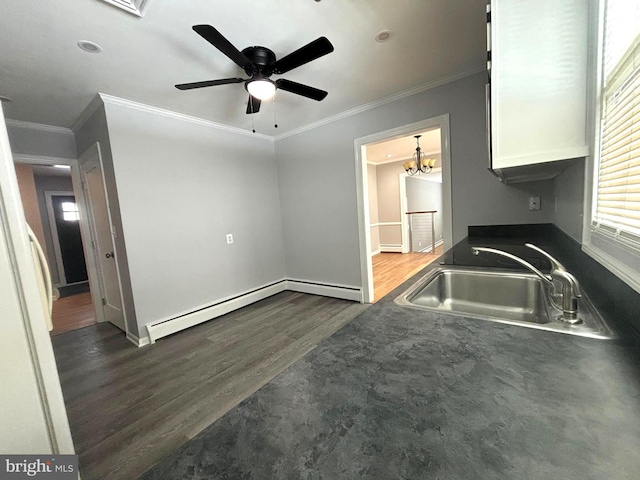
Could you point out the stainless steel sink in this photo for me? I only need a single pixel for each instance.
(501, 296)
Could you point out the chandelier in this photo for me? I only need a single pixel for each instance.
(419, 164)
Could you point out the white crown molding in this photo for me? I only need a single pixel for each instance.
(38, 126)
(111, 100)
(382, 101)
(87, 113)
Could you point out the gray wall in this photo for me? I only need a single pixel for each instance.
(423, 194)
(182, 187)
(37, 141)
(568, 189)
(50, 184)
(95, 130)
(388, 195)
(318, 194)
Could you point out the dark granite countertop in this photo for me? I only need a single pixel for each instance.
(406, 394)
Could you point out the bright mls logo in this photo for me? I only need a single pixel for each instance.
(51, 467)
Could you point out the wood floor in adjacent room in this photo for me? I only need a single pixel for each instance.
(129, 407)
(73, 312)
(391, 269)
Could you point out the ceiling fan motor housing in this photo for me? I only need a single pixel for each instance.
(262, 59)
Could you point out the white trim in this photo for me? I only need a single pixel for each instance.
(38, 126)
(91, 108)
(110, 100)
(429, 248)
(53, 230)
(138, 342)
(335, 291)
(375, 253)
(383, 101)
(176, 323)
(622, 271)
(385, 224)
(162, 328)
(130, 6)
(391, 248)
(401, 159)
(42, 160)
(98, 293)
(362, 189)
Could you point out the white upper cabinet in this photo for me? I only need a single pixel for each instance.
(538, 81)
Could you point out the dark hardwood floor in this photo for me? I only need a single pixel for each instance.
(129, 407)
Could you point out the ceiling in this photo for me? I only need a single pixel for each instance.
(402, 149)
(50, 80)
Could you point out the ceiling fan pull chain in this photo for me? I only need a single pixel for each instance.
(253, 125)
(275, 116)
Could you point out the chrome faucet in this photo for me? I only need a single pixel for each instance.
(570, 288)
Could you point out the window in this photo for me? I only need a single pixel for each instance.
(70, 212)
(614, 236)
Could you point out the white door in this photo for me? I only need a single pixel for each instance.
(102, 236)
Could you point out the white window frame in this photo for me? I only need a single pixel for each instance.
(618, 252)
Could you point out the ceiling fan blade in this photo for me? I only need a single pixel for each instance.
(300, 89)
(215, 38)
(253, 105)
(309, 52)
(209, 83)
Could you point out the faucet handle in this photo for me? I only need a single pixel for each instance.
(555, 264)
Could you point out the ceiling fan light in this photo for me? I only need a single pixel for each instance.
(262, 89)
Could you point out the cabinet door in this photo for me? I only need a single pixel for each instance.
(538, 80)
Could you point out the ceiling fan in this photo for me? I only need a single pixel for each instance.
(259, 63)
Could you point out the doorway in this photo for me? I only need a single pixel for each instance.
(48, 196)
(389, 248)
(80, 302)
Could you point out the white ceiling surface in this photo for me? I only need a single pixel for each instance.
(50, 171)
(404, 148)
(51, 80)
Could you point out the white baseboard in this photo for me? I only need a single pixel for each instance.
(336, 291)
(167, 327)
(429, 247)
(138, 342)
(375, 253)
(390, 248)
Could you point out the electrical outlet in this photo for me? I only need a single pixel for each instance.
(534, 203)
(229, 238)
(419, 244)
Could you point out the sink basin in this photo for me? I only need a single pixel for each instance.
(516, 298)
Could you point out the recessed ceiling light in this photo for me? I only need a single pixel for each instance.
(90, 47)
(383, 36)
(5, 99)
(389, 155)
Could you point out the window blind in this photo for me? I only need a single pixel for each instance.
(618, 186)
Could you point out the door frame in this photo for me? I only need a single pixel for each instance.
(29, 321)
(53, 227)
(362, 189)
(95, 148)
(76, 181)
